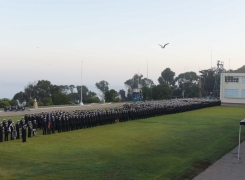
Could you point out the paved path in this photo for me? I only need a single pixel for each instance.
(226, 168)
(65, 108)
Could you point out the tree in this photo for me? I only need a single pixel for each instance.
(110, 95)
(64, 89)
(60, 98)
(43, 89)
(147, 83)
(13, 102)
(193, 91)
(160, 92)
(122, 95)
(147, 93)
(91, 94)
(45, 92)
(86, 93)
(207, 79)
(30, 91)
(55, 89)
(21, 97)
(4, 102)
(134, 82)
(188, 83)
(167, 77)
(47, 101)
(177, 93)
(71, 88)
(187, 77)
(137, 81)
(103, 86)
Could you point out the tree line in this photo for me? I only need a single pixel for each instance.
(187, 84)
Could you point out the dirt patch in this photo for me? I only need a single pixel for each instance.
(109, 175)
(197, 167)
(201, 164)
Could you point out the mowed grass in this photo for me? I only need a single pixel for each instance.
(177, 146)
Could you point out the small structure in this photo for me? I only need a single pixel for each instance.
(35, 106)
(232, 86)
(137, 94)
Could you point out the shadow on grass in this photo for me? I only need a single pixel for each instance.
(197, 167)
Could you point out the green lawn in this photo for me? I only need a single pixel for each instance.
(177, 146)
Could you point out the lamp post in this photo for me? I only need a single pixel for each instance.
(81, 102)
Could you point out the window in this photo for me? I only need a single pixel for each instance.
(243, 93)
(231, 79)
(243, 79)
(233, 93)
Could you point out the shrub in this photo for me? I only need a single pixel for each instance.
(39, 103)
(93, 100)
(47, 101)
(4, 104)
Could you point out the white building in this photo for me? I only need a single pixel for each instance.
(232, 86)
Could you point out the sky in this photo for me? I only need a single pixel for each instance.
(49, 40)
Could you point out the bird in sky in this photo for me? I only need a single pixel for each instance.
(163, 46)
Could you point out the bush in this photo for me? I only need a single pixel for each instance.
(117, 100)
(13, 103)
(4, 104)
(93, 100)
(39, 103)
(47, 101)
(30, 103)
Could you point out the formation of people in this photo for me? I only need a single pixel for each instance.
(62, 121)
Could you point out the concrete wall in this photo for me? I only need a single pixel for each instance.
(232, 85)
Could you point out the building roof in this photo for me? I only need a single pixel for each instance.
(239, 70)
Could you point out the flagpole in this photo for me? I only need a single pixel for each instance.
(81, 102)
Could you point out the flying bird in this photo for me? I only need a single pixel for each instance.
(163, 46)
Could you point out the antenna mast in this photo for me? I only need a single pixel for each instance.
(81, 103)
(147, 68)
(217, 73)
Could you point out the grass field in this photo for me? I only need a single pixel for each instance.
(177, 146)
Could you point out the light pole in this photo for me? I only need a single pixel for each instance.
(81, 102)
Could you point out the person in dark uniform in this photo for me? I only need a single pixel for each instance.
(44, 126)
(34, 130)
(24, 133)
(29, 127)
(59, 125)
(9, 122)
(17, 128)
(53, 125)
(6, 131)
(12, 131)
(1, 132)
(4, 122)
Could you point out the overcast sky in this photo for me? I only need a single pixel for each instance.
(48, 39)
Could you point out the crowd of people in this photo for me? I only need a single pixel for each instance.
(62, 121)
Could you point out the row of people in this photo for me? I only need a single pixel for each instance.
(17, 131)
(62, 121)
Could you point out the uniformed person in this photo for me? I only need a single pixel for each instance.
(34, 130)
(12, 131)
(6, 130)
(1, 132)
(17, 128)
(24, 133)
(44, 126)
